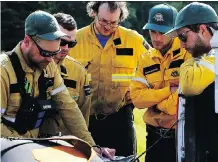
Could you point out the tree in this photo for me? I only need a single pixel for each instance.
(13, 15)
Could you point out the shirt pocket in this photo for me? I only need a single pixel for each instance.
(155, 79)
(123, 61)
(123, 67)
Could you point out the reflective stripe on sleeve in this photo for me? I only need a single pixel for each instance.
(121, 77)
(142, 80)
(9, 118)
(58, 90)
(211, 67)
(89, 76)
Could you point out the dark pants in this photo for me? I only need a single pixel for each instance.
(164, 150)
(115, 131)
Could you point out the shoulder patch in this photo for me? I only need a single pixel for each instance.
(175, 73)
(176, 64)
(117, 41)
(151, 69)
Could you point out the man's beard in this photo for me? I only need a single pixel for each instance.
(199, 49)
(40, 65)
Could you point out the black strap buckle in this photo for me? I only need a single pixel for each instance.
(100, 116)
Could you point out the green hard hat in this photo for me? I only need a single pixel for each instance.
(161, 18)
(43, 25)
(195, 13)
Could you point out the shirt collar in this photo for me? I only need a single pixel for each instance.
(114, 40)
(24, 65)
(174, 51)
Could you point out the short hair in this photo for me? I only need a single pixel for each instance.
(92, 7)
(66, 21)
(195, 27)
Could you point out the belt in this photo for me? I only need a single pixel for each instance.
(162, 132)
(104, 116)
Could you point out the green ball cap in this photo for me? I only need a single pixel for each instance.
(161, 18)
(43, 25)
(194, 13)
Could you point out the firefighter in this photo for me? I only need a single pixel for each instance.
(74, 75)
(155, 84)
(195, 26)
(31, 84)
(110, 53)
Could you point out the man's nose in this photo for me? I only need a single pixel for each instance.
(65, 47)
(158, 36)
(108, 26)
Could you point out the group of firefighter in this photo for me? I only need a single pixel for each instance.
(87, 82)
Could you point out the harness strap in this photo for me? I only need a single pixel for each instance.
(20, 74)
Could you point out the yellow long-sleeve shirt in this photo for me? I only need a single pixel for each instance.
(195, 76)
(111, 67)
(76, 81)
(150, 87)
(58, 93)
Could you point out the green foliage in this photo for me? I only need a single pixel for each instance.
(13, 15)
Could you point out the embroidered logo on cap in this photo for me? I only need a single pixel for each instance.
(158, 17)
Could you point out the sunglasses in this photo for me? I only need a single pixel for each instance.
(45, 53)
(183, 37)
(70, 44)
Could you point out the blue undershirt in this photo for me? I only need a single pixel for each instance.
(102, 39)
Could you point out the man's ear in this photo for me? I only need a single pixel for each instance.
(94, 14)
(203, 29)
(26, 40)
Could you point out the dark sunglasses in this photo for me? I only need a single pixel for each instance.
(45, 53)
(183, 37)
(70, 44)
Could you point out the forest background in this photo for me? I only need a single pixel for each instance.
(13, 15)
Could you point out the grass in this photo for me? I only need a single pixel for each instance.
(140, 132)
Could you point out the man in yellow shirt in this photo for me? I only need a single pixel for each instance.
(110, 53)
(155, 84)
(31, 84)
(74, 75)
(195, 25)
(197, 28)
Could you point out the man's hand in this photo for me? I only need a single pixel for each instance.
(108, 152)
(173, 87)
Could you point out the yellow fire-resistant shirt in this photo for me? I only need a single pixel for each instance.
(110, 68)
(58, 93)
(150, 87)
(196, 74)
(76, 81)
